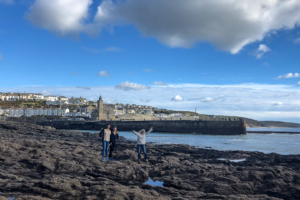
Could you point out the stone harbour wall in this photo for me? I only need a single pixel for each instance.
(197, 127)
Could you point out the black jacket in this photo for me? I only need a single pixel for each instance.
(113, 137)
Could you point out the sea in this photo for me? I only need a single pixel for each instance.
(284, 144)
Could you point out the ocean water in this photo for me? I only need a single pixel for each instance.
(275, 129)
(267, 143)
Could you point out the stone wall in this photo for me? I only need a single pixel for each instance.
(197, 127)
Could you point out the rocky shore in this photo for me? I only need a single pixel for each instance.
(43, 163)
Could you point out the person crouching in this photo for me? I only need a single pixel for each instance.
(141, 142)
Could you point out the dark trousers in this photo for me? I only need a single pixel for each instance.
(143, 147)
(111, 149)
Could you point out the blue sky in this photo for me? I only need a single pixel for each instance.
(178, 55)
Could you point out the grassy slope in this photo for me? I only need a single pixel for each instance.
(249, 122)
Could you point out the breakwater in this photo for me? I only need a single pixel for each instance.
(197, 127)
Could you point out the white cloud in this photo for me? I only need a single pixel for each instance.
(131, 86)
(160, 83)
(297, 41)
(262, 49)
(112, 49)
(227, 24)
(104, 74)
(266, 64)
(289, 75)
(1, 57)
(84, 87)
(298, 83)
(278, 103)
(177, 98)
(73, 73)
(148, 70)
(7, 1)
(207, 100)
(60, 16)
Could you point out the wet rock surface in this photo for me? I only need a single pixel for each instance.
(42, 163)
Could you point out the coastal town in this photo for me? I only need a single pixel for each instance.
(37, 104)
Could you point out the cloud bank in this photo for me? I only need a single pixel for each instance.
(227, 24)
(248, 100)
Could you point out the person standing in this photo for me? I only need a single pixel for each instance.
(105, 134)
(141, 142)
(114, 136)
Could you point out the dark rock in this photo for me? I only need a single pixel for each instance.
(42, 163)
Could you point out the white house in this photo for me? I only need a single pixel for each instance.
(44, 111)
(16, 112)
(27, 112)
(12, 97)
(35, 111)
(37, 96)
(62, 98)
(2, 97)
(25, 96)
(51, 98)
(4, 111)
(54, 112)
(73, 114)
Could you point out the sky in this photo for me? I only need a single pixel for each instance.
(223, 57)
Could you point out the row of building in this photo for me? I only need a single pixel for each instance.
(39, 97)
(28, 112)
(63, 106)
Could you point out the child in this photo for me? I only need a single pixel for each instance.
(141, 142)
